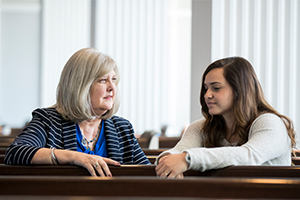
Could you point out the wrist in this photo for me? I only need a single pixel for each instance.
(187, 159)
(53, 157)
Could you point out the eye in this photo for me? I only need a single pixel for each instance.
(216, 88)
(103, 80)
(114, 79)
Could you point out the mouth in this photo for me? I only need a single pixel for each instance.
(209, 104)
(108, 97)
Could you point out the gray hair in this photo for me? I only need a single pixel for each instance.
(73, 91)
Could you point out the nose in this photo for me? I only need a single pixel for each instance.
(111, 86)
(208, 94)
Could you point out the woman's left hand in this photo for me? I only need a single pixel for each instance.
(172, 166)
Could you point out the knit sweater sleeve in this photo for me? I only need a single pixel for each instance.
(268, 143)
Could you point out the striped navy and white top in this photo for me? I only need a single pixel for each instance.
(49, 129)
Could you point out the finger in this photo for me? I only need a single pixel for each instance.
(104, 166)
(91, 170)
(163, 158)
(111, 162)
(160, 166)
(179, 176)
(159, 171)
(98, 168)
(163, 174)
(172, 175)
(163, 171)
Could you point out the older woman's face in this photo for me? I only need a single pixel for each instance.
(102, 93)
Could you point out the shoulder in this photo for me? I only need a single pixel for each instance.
(119, 123)
(194, 128)
(268, 121)
(119, 119)
(47, 113)
(196, 125)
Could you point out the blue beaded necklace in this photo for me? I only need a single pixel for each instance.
(86, 142)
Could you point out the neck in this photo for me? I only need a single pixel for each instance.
(91, 122)
(89, 128)
(230, 127)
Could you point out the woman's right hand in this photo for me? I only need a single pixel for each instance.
(95, 164)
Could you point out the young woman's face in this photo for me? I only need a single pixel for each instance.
(219, 94)
(102, 93)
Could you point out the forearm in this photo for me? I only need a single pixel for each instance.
(44, 156)
(92, 163)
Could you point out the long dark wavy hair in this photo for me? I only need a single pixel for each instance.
(249, 103)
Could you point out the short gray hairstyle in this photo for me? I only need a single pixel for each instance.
(73, 91)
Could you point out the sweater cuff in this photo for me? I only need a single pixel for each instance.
(188, 159)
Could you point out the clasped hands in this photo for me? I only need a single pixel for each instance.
(171, 166)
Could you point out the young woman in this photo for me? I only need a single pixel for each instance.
(239, 126)
(81, 128)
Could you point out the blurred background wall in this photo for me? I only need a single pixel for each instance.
(161, 46)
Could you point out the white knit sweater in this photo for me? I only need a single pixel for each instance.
(268, 144)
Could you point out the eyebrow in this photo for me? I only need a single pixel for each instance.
(213, 83)
(107, 76)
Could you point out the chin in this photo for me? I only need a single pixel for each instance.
(108, 108)
(213, 113)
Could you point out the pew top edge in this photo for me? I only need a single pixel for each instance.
(125, 179)
(238, 167)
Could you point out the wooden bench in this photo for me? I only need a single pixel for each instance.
(168, 142)
(72, 197)
(164, 142)
(152, 159)
(153, 152)
(5, 141)
(15, 132)
(68, 170)
(296, 161)
(2, 158)
(205, 187)
(149, 170)
(3, 150)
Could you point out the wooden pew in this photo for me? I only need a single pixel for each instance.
(2, 158)
(168, 142)
(15, 131)
(67, 197)
(149, 170)
(5, 141)
(151, 159)
(296, 160)
(2, 150)
(164, 142)
(153, 152)
(205, 187)
(68, 170)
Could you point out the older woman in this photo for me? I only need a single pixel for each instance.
(80, 128)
